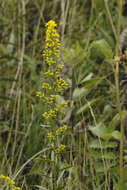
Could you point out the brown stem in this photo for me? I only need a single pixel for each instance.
(117, 88)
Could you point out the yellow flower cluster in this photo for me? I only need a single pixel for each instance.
(39, 94)
(51, 114)
(42, 96)
(9, 182)
(60, 85)
(58, 132)
(51, 136)
(60, 149)
(59, 67)
(46, 86)
(49, 73)
(61, 130)
(49, 100)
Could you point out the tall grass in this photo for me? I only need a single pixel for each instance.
(89, 33)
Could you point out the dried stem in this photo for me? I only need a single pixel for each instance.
(117, 88)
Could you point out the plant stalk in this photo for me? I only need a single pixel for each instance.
(117, 52)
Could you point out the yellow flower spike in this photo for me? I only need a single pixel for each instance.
(53, 84)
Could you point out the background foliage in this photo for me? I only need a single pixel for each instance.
(88, 38)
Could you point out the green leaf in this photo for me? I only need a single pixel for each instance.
(103, 47)
(125, 174)
(116, 135)
(107, 136)
(103, 131)
(106, 35)
(100, 130)
(87, 105)
(79, 92)
(116, 121)
(95, 144)
(109, 155)
(88, 77)
(93, 82)
(125, 158)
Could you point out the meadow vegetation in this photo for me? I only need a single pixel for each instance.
(63, 95)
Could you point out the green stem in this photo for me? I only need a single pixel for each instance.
(121, 119)
(117, 89)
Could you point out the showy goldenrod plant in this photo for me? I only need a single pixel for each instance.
(53, 85)
(8, 182)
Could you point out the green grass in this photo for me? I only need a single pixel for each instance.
(89, 33)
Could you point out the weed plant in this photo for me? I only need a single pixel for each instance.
(53, 85)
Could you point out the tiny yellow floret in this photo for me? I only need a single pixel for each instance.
(61, 130)
(60, 149)
(51, 136)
